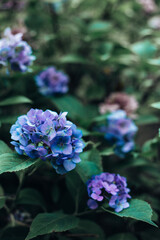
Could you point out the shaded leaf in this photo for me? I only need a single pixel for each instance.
(32, 197)
(122, 236)
(95, 157)
(107, 152)
(90, 229)
(150, 234)
(73, 59)
(76, 188)
(8, 119)
(15, 100)
(4, 148)
(12, 162)
(147, 119)
(55, 193)
(87, 169)
(46, 223)
(14, 233)
(70, 104)
(76, 110)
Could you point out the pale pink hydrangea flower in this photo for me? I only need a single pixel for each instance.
(149, 6)
(119, 100)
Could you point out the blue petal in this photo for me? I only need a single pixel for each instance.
(69, 165)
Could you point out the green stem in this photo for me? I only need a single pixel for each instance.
(76, 203)
(21, 178)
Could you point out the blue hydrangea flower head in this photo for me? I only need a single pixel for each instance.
(108, 187)
(15, 52)
(49, 136)
(119, 132)
(52, 82)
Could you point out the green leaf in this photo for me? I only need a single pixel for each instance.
(55, 193)
(46, 223)
(90, 228)
(87, 169)
(32, 197)
(122, 236)
(76, 110)
(149, 234)
(95, 157)
(76, 188)
(100, 118)
(154, 62)
(73, 59)
(92, 155)
(99, 27)
(156, 105)
(138, 209)
(2, 198)
(70, 104)
(4, 148)
(15, 100)
(12, 162)
(85, 155)
(14, 233)
(147, 119)
(105, 48)
(96, 92)
(8, 119)
(107, 152)
(144, 49)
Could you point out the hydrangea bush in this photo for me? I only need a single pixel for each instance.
(79, 143)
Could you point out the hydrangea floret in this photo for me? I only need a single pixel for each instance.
(119, 132)
(14, 52)
(49, 136)
(110, 188)
(52, 82)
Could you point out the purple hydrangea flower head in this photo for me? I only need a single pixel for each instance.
(119, 132)
(52, 82)
(49, 136)
(15, 52)
(108, 187)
